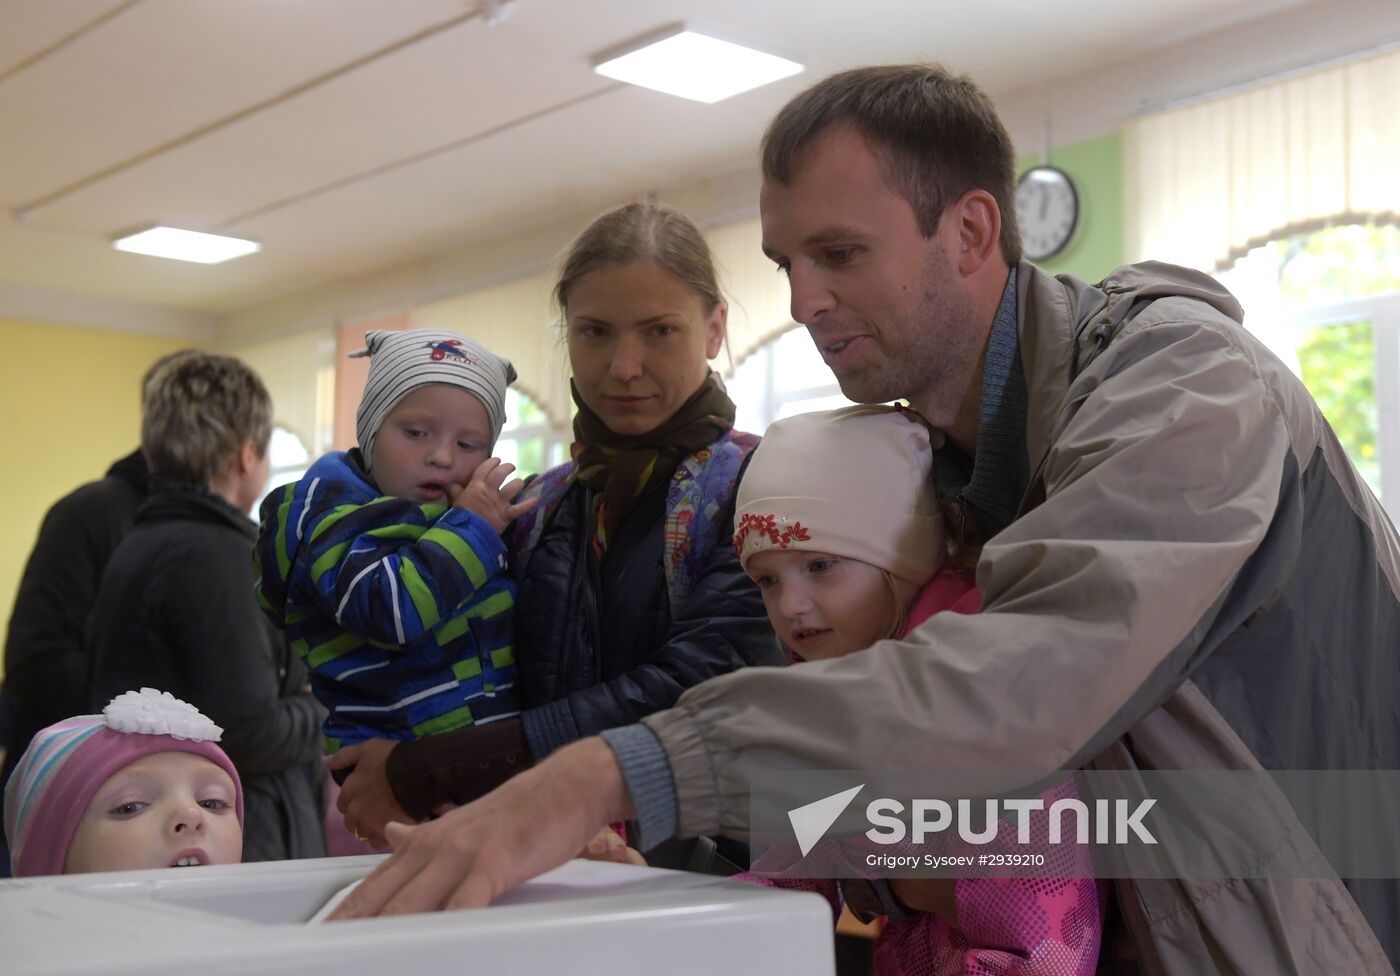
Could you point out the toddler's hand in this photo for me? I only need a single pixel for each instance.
(607, 846)
(486, 496)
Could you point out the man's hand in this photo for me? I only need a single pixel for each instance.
(486, 496)
(366, 799)
(476, 853)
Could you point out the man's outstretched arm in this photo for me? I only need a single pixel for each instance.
(472, 855)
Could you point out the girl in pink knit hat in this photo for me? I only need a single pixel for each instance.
(838, 522)
(143, 785)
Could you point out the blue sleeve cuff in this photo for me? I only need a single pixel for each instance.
(548, 727)
(646, 772)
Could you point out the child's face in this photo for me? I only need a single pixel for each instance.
(164, 810)
(434, 437)
(823, 606)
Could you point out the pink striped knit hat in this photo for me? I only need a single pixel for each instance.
(67, 763)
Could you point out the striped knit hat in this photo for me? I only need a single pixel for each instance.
(401, 362)
(67, 763)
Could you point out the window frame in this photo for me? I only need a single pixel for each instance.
(1383, 312)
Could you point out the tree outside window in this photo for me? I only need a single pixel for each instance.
(1328, 304)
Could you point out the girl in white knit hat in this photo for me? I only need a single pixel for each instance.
(838, 522)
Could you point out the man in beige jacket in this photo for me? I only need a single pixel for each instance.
(1155, 490)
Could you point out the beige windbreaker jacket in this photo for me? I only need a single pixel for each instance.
(1158, 603)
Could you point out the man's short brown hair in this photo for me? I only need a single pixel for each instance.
(198, 411)
(939, 134)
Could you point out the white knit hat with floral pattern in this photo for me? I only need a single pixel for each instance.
(855, 482)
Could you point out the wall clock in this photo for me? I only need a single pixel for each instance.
(1047, 204)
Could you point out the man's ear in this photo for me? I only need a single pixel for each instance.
(978, 226)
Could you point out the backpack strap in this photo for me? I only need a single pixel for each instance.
(550, 489)
(698, 498)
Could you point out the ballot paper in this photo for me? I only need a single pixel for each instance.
(333, 904)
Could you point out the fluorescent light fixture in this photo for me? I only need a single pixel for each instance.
(695, 66)
(186, 245)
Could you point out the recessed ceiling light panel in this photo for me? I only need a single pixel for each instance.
(695, 66)
(186, 245)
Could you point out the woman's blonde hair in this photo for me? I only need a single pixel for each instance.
(899, 617)
(649, 232)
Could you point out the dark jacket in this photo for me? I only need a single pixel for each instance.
(46, 666)
(176, 612)
(401, 610)
(598, 646)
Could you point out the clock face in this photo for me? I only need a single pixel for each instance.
(1048, 208)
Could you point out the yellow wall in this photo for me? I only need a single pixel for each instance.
(69, 407)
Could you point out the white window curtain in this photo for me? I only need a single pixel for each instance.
(1207, 182)
(515, 319)
(759, 300)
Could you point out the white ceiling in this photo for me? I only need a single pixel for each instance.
(350, 136)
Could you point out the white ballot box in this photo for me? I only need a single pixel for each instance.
(585, 917)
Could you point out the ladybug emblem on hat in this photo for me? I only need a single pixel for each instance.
(448, 349)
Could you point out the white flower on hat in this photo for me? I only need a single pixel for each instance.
(151, 712)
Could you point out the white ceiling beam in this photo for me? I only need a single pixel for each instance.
(31, 303)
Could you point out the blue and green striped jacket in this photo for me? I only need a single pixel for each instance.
(402, 611)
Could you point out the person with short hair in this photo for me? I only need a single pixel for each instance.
(176, 610)
(1182, 569)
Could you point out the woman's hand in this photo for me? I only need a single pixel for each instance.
(606, 845)
(366, 799)
(485, 494)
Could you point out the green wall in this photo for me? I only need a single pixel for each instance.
(1096, 166)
